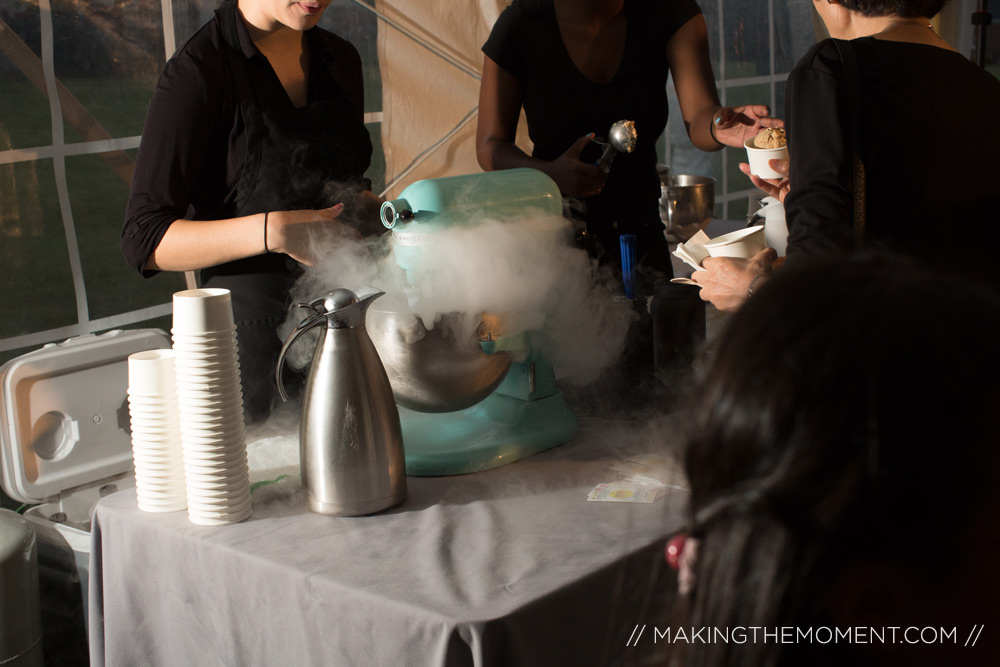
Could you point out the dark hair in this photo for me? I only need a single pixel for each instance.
(903, 8)
(839, 395)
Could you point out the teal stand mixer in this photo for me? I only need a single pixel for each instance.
(466, 402)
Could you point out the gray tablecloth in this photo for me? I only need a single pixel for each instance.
(511, 566)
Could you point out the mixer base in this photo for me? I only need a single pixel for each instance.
(496, 431)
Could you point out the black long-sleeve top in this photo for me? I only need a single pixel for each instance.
(193, 143)
(929, 142)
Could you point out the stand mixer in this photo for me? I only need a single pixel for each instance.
(467, 402)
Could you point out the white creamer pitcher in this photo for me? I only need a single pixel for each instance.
(772, 212)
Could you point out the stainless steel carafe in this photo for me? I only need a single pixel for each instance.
(350, 441)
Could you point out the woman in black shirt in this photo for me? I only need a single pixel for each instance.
(928, 152)
(253, 145)
(577, 68)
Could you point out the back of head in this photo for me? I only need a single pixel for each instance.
(847, 416)
(903, 8)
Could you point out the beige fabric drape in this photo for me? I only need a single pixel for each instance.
(431, 61)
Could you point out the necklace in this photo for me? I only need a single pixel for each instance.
(893, 24)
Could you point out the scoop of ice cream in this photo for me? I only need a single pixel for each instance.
(770, 137)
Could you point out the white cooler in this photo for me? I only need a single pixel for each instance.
(65, 440)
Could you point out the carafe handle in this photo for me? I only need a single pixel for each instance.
(299, 329)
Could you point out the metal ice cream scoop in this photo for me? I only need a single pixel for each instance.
(621, 139)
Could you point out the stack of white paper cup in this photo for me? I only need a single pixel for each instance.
(211, 407)
(156, 433)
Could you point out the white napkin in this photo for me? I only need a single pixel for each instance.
(692, 253)
(740, 243)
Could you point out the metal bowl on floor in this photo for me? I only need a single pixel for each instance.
(687, 202)
(438, 369)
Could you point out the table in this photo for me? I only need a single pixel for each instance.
(511, 566)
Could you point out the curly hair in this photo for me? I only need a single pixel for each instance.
(904, 8)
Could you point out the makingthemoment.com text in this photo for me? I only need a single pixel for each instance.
(794, 635)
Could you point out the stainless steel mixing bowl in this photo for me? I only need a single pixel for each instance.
(432, 370)
(686, 204)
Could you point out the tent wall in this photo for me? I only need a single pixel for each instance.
(76, 77)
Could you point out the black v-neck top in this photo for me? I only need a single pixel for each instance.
(561, 104)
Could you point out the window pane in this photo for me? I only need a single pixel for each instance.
(189, 15)
(793, 32)
(98, 197)
(25, 121)
(747, 45)
(37, 289)
(106, 57)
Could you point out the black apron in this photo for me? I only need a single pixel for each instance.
(307, 158)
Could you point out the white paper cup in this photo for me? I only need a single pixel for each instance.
(213, 423)
(167, 472)
(758, 158)
(196, 476)
(144, 431)
(743, 243)
(154, 419)
(154, 463)
(212, 405)
(219, 501)
(194, 354)
(207, 366)
(211, 418)
(220, 507)
(171, 503)
(214, 445)
(203, 311)
(163, 468)
(198, 337)
(147, 505)
(216, 383)
(151, 372)
(160, 485)
(236, 486)
(152, 406)
(195, 394)
(219, 434)
(201, 352)
(156, 488)
(206, 457)
(219, 518)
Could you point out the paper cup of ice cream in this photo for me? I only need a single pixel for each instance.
(768, 144)
(743, 243)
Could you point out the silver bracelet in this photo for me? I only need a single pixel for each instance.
(753, 283)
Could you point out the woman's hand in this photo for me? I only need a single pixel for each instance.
(709, 125)
(725, 281)
(574, 177)
(304, 235)
(733, 126)
(773, 187)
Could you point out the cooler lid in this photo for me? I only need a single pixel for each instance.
(64, 418)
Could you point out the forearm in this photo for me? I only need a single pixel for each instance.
(189, 245)
(700, 128)
(499, 154)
